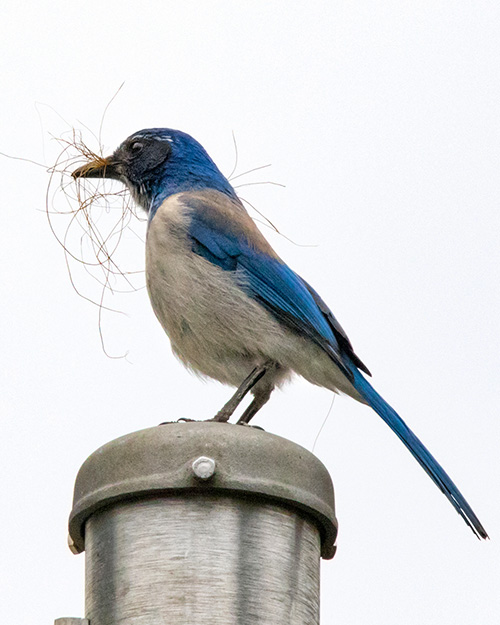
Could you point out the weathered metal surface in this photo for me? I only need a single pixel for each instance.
(205, 558)
(247, 462)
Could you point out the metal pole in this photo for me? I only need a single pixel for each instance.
(202, 522)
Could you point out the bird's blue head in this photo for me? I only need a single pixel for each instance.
(156, 163)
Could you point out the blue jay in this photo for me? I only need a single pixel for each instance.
(233, 310)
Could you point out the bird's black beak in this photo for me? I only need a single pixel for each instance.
(100, 168)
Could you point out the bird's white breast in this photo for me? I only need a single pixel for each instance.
(213, 326)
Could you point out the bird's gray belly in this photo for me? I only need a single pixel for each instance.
(214, 327)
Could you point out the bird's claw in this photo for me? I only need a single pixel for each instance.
(249, 425)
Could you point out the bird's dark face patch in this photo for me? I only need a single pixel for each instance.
(139, 156)
(139, 162)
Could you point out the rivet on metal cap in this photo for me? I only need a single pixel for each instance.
(204, 467)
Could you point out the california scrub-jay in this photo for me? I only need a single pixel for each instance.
(233, 310)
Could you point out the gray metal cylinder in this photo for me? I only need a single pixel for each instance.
(211, 523)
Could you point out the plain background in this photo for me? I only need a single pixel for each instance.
(383, 121)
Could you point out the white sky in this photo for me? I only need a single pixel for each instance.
(383, 121)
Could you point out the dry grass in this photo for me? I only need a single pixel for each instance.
(98, 215)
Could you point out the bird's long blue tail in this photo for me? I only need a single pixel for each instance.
(419, 451)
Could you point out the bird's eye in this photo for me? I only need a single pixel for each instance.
(136, 147)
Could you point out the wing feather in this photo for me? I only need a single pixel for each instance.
(267, 279)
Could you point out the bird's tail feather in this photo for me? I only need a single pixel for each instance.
(419, 451)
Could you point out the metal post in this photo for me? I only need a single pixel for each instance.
(203, 522)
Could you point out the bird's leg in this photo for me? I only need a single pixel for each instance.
(259, 400)
(248, 383)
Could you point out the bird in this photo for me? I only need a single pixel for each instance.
(233, 310)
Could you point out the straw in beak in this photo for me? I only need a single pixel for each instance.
(99, 168)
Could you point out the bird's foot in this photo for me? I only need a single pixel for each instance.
(256, 427)
(221, 417)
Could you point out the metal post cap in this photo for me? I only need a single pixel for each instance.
(177, 458)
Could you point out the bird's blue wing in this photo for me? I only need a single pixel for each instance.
(266, 279)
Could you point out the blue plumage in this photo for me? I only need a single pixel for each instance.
(233, 310)
(189, 167)
(267, 280)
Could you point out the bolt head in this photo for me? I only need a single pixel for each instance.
(203, 467)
